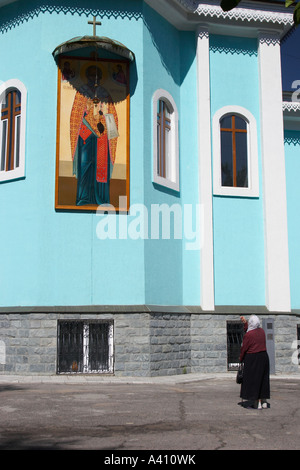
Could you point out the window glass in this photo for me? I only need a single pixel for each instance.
(17, 141)
(241, 160)
(10, 117)
(3, 144)
(234, 153)
(226, 122)
(240, 123)
(226, 162)
(163, 138)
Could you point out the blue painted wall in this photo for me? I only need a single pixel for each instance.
(292, 166)
(161, 70)
(49, 257)
(171, 269)
(238, 222)
(56, 258)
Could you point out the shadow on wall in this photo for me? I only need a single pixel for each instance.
(12, 16)
(159, 29)
(170, 43)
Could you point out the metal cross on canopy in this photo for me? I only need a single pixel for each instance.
(94, 23)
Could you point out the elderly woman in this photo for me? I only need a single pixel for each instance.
(256, 381)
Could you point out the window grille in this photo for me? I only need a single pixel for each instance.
(85, 347)
(235, 333)
(298, 342)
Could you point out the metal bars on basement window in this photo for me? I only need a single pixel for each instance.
(85, 347)
(235, 333)
(298, 342)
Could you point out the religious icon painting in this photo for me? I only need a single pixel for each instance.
(92, 166)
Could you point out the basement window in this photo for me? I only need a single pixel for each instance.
(85, 347)
(235, 334)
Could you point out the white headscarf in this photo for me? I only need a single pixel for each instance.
(253, 323)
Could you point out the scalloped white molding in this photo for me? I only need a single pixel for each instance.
(243, 21)
(262, 13)
(291, 106)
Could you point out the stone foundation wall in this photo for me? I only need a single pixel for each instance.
(170, 344)
(209, 343)
(145, 344)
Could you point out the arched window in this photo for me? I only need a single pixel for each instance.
(235, 155)
(12, 130)
(163, 138)
(234, 151)
(165, 141)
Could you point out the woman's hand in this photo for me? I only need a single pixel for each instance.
(243, 319)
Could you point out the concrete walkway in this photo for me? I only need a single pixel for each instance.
(111, 379)
(184, 413)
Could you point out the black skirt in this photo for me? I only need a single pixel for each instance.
(256, 380)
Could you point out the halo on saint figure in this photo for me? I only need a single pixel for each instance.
(90, 69)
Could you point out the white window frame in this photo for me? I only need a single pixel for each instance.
(172, 179)
(86, 361)
(4, 88)
(253, 176)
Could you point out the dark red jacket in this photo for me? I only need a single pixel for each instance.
(254, 341)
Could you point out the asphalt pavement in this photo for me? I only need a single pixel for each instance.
(180, 414)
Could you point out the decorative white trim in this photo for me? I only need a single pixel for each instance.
(261, 14)
(293, 106)
(4, 87)
(247, 17)
(205, 178)
(253, 178)
(172, 182)
(274, 179)
(291, 115)
(269, 38)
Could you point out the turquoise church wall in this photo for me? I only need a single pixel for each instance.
(55, 257)
(50, 257)
(161, 70)
(292, 166)
(171, 266)
(237, 221)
